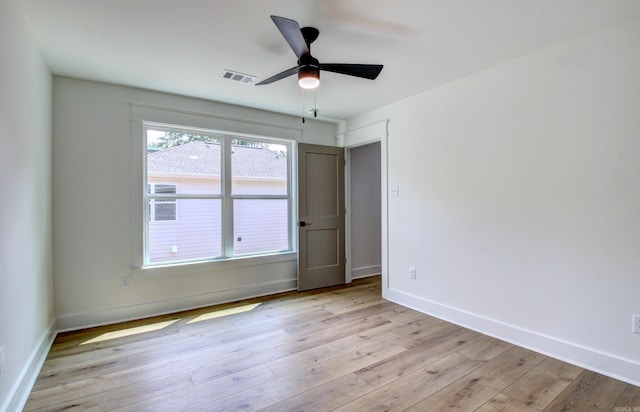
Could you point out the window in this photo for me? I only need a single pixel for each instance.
(160, 207)
(214, 195)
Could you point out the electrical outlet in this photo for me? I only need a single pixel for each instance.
(636, 323)
(412, 273)
(125, 281)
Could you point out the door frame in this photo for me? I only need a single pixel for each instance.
(376, 132)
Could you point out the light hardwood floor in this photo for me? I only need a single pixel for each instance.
(341, 348)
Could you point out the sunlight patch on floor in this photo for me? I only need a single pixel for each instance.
(130, 331)
(225, 312)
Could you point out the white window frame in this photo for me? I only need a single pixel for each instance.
(226, 195)
(232, 197)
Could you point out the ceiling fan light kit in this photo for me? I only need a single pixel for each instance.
(309, 77)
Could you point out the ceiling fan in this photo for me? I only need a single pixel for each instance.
(308, 68)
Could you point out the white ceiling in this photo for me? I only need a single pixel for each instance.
(182, 46)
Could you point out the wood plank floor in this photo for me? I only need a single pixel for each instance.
(341, 348)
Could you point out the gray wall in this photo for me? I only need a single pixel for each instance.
(97, 177)
(365, 210)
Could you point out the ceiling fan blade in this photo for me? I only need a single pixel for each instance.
(279, 76)
(367, 71)
(291, 32)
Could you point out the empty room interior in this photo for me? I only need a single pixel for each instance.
(320, 205)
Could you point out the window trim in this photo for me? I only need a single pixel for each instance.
(209, 266)
(226, 197)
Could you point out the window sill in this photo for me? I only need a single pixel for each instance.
(187, 268)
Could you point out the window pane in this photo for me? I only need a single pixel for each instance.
(195, 234)
(192, 161)
(260, 225)
(165, 210)
(258, 168)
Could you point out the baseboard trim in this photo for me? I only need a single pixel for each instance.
(365, 271)
(101, 317)
(24, 384)
(588, 358)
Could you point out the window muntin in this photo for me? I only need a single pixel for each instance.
(232, 194)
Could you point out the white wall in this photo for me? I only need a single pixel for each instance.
(97, 200)
(520, 200)
(26, 294)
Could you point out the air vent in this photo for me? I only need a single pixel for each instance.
(238, 77)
